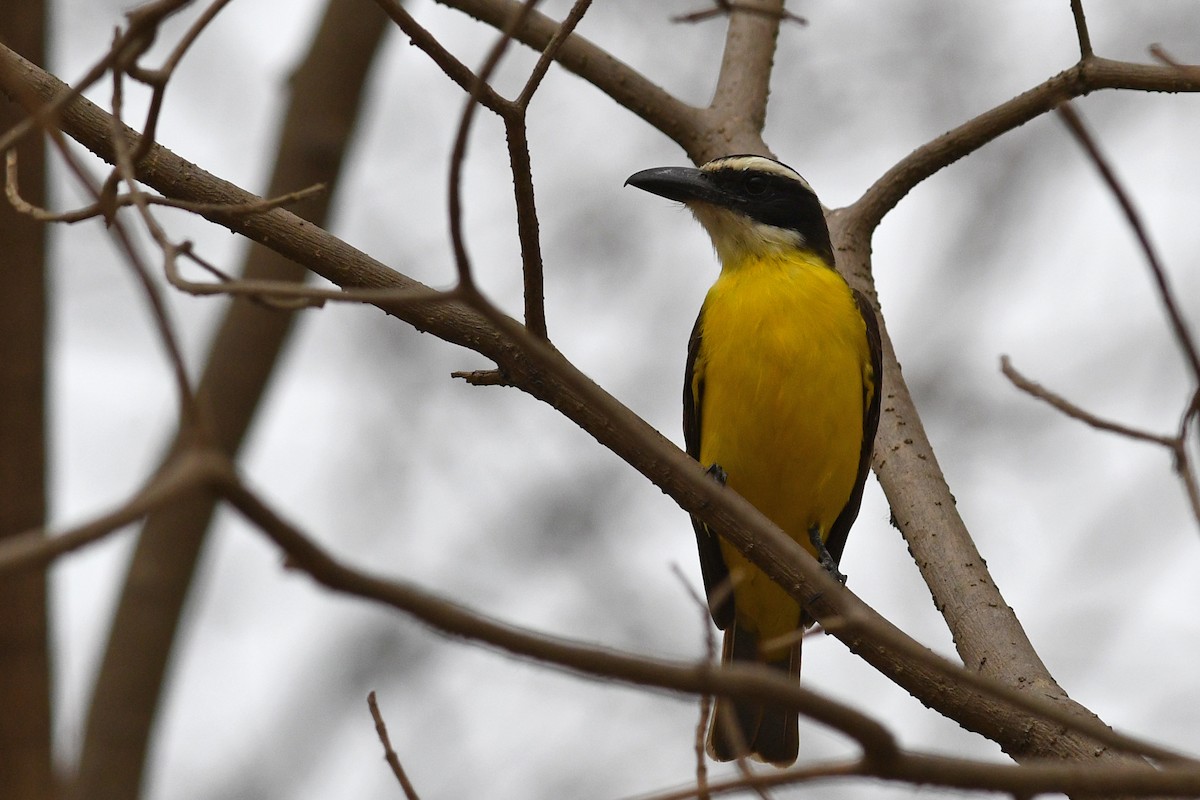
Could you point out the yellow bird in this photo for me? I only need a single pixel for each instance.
(780, 402)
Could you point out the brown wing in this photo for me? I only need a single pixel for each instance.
(872, 389)
(712, 563)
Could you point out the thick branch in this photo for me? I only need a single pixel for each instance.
(735, 119)
(987, 633)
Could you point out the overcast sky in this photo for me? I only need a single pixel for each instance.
(486, 496)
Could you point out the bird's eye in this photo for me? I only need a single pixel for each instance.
(756, 185)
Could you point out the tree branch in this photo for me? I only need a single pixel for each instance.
(628, 87)
(751, 682)
(735, 119)
(1090, 75)
(987, 634)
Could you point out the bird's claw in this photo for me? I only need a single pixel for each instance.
(824, 556)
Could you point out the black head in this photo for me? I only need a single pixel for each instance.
(755, 188)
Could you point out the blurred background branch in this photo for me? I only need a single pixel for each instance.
(25, 726)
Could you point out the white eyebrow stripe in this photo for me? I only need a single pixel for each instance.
(758, 164)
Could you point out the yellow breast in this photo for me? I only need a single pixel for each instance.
(782, 359)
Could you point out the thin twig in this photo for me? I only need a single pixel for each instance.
(532, 268)
(393, 760)
(569, 23)
(625, 85)
(1073, 411)
(1081, 30)
(157, 79)
(1177, 445)
(515, 121)
(1159, 52)
(706, 700)
(513, 113)
(1183, 336)
(459, 151)
(13, 193)
(180, 475)
(749, 681)
(189, 412)
(457, 71)
(289, 295)
(137, 38)
(1098, 73)
(795, 776)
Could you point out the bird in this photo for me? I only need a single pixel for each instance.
(780, 403)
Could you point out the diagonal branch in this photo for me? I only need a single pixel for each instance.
(450, 618)
(1084, 78)
(1183, 336)
(625, 85)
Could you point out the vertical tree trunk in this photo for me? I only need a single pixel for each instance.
(25, 764)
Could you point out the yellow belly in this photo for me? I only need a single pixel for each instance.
(783, 355)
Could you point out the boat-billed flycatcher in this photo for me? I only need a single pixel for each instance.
(780, 401)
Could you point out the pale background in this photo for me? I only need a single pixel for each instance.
(487, 496)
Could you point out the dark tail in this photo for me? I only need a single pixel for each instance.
(749, 728)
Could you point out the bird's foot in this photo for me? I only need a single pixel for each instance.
(715, 472)
(824, 556)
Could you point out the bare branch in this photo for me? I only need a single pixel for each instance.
(739, 104)
(457, 71)
(178, 476)
(455, 620)
(13, 193)
(1183, 336)
(706, 701)
(1026, 780)
(459, 152)
(519, 159)
(1075, 412)
(1081, 79)
(393, 760)
(1081, 30)
(627, 86)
